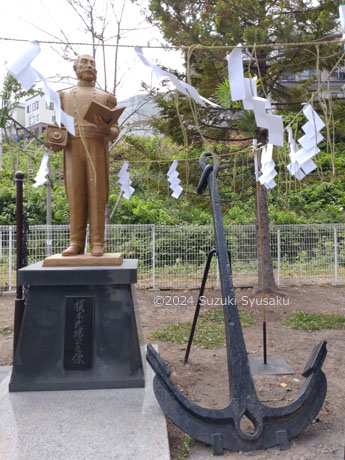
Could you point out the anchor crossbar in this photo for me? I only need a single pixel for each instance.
(221, 428)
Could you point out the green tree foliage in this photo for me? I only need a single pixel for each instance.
(319, 198)
(12, 92)
(149, 161)
(254, 24)
(28, 161)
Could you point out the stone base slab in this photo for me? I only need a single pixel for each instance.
(119, 424)
(84, 260)
(274, 366)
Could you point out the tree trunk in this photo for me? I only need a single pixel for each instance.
(266, 282)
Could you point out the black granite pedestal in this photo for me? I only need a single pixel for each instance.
(79, 329)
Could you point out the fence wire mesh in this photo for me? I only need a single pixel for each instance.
(173, 257)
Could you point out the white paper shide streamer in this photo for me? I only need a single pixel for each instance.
(42, 175)
(342, 20)
(183, 87)
(294, 167)
(22, 70)
(267, 167)
(244, 89)
(174, 181)
(125, 181)
(302, 158)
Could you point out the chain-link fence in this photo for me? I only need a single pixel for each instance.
(174, 256)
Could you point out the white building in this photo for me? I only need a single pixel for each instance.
(134, 120)
(18, 114)
(137, 115)
(38, 114)
(332, 85)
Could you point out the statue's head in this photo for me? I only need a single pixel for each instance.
(85, 68)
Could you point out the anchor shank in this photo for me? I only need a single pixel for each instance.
(238, 366)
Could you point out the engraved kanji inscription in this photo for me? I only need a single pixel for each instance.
(78, 333)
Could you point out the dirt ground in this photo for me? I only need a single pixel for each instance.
(204, 380)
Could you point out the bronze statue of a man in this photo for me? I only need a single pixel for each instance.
(86, 164)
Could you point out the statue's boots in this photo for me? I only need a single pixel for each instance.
(73, 251)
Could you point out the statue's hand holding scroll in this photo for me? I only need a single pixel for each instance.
(109, 130)
(102, 125)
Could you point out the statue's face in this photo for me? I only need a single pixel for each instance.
(85, 68)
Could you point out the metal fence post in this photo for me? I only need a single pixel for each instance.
(10, 250)
(19, 302)
(278, 250)
(49, 213)
(153, 228)
(217, 274)
(87, 239)
(49, 240)
(335, 256)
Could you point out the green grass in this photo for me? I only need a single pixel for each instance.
(209, 332)
(7, 330)
(184, 448)
(314, 321)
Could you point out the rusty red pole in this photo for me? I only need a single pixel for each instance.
(19, 302)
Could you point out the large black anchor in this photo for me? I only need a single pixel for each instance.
(221, 428)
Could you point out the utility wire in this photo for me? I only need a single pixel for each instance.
(338, 41)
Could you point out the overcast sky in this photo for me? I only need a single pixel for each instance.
(25, 19)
